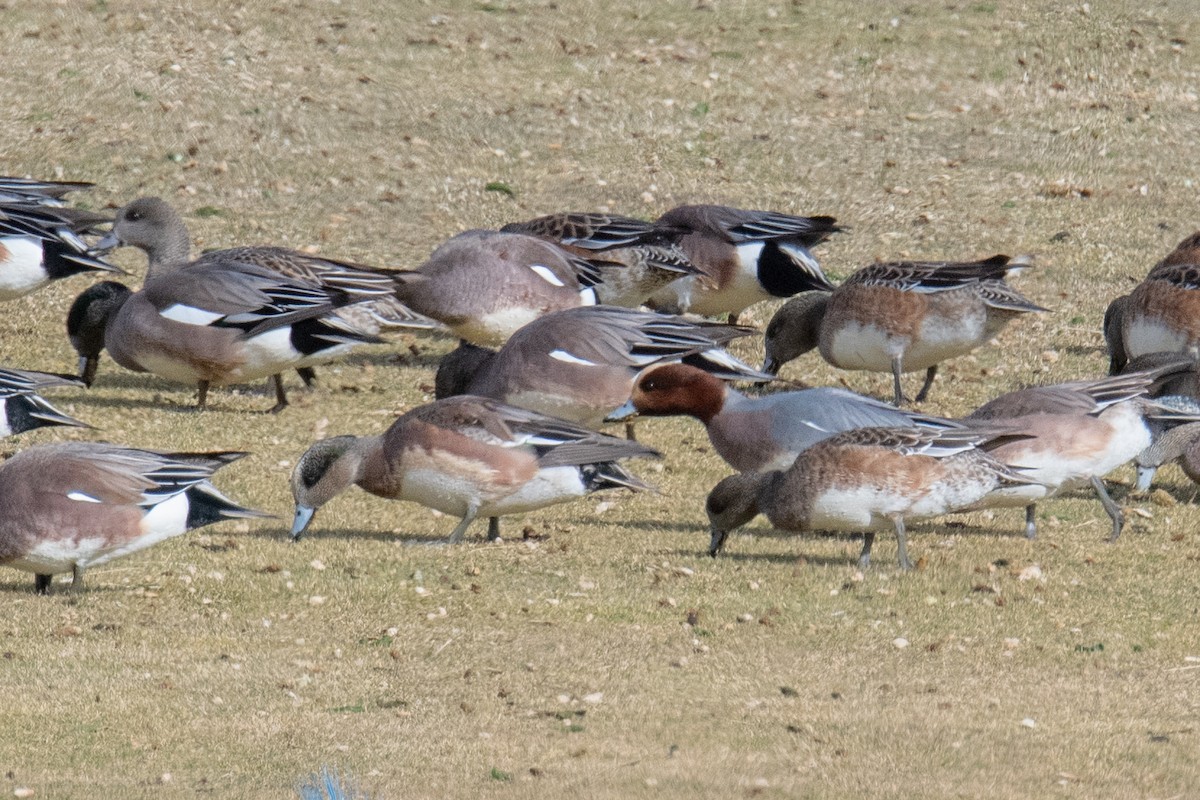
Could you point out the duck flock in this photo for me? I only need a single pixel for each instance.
(568, 322)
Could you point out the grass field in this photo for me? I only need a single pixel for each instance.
(598, 652)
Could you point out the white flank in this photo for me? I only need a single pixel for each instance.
(551, 485)
(564, 356)
(856, 508)
(546, 274)
(21, 272)
(738, 291)
(1152, 336)
(190, 315)
(866, 347)
(83, 498)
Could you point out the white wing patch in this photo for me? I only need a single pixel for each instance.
(190, 315)
(83, 498)
(564, 356)
(546, 274)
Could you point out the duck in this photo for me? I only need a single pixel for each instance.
(1179, 444)
(1162, 313)
(1075, 433)
(41, 240)
(469, 457)
(901, 316)
(865, 479)
(68, 507)
(581, 363)
(635, 258)
(155, 227)
(764, 432)
(743, 256)
(23, 409)
(217, 323)
(485, 285)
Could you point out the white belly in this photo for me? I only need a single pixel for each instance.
(1149, 335)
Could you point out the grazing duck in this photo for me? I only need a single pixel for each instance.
(900, 317)
(41, 240)
(635, 258)
(759, 433)
(581, 363)
(866, 479)
(485, 285)
(1076, 433)
(1180, 444)
(67, 507)
(217, 323)
(743, 257)
(152, 225)
(23, 409)
(467, 456)
(1162, 313)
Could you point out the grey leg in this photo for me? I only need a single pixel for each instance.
(201, 395)
(930, 374)
(281, 400)
(41, 584)
(76, 578)
(629, 433)
(308, 375)
(864, 557)
(456, 535)
(897, 392)
(493, 529)
(1031, 521)
(902, 542)
(1114, 511)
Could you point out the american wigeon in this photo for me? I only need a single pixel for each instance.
(1162, 313)
(152, 225)
(866, 480)
(217, 323)
(757, 433)
(743, 257)
(635, 258)
(23, 409)
(1180, 445)
(41, 242)
(467, 456)
(900, 317)
(579, 364)
(67, 507)
(1078, 432)
(484, 285)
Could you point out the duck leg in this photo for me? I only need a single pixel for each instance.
(308, 375)
(1031, 521)
(41, 584)
(864, 557)
(930, 374)
(281, 401)
(493, 529)
(902, 542)
(1114, 511)
(201, 395)
(456, 535)
(897, 391)
(76, 578)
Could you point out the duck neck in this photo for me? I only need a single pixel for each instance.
(1170, 445)
(172, 250)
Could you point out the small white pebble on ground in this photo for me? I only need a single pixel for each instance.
(1028, 722)
(593, 698)
(900, 642)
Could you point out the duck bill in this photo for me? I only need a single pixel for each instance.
(626, 411)
(771, 366)
(717, 542)
(304, 515)
(1145, 477)
(87, 369)
(110, 241)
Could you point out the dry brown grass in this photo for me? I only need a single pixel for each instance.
(235, 663)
